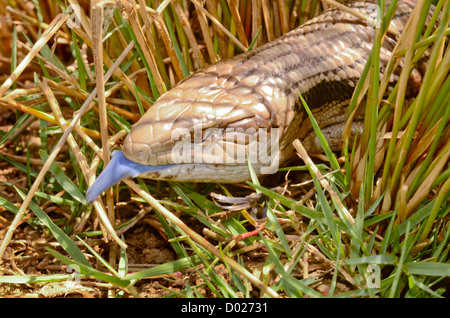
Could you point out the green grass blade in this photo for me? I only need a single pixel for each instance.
(175, 44)
(65, 241)
(327, 210)
(428, 268)
(82, 73)
(291, 204)
(64, 180)
(294, 287)
(19, 166)
(323, 141)
(374, 259)
(250, 47)
(123, 262)
(100, 258)
(16, 126)
(166, 268)
(29, 279)
(87, 270)
(138, 100)
(395, 290)
(279, 231)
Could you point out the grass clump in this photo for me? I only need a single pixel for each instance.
(374, 224)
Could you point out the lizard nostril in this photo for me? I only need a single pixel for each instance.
(135, 150)
(141, 155)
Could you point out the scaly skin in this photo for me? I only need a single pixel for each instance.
(205, 128)
(323, 60)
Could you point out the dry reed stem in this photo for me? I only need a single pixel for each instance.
(12, 104)
(150, 58)
(267, 20)
(224, 30)
(198, 56)
(51, 158)
(98, 53)
(205, 31)
(359, 15)
(67, 77)
(233, 6)
(52, 101)
(168, 44)
(221, 37)
(283, 16)
(256, 20)
(424, 189)
(35, 21)
(33, 161)
(84, 20)
(46, 35)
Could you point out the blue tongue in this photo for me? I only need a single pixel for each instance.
(118, 169)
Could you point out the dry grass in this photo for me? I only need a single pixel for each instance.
(85, 85)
